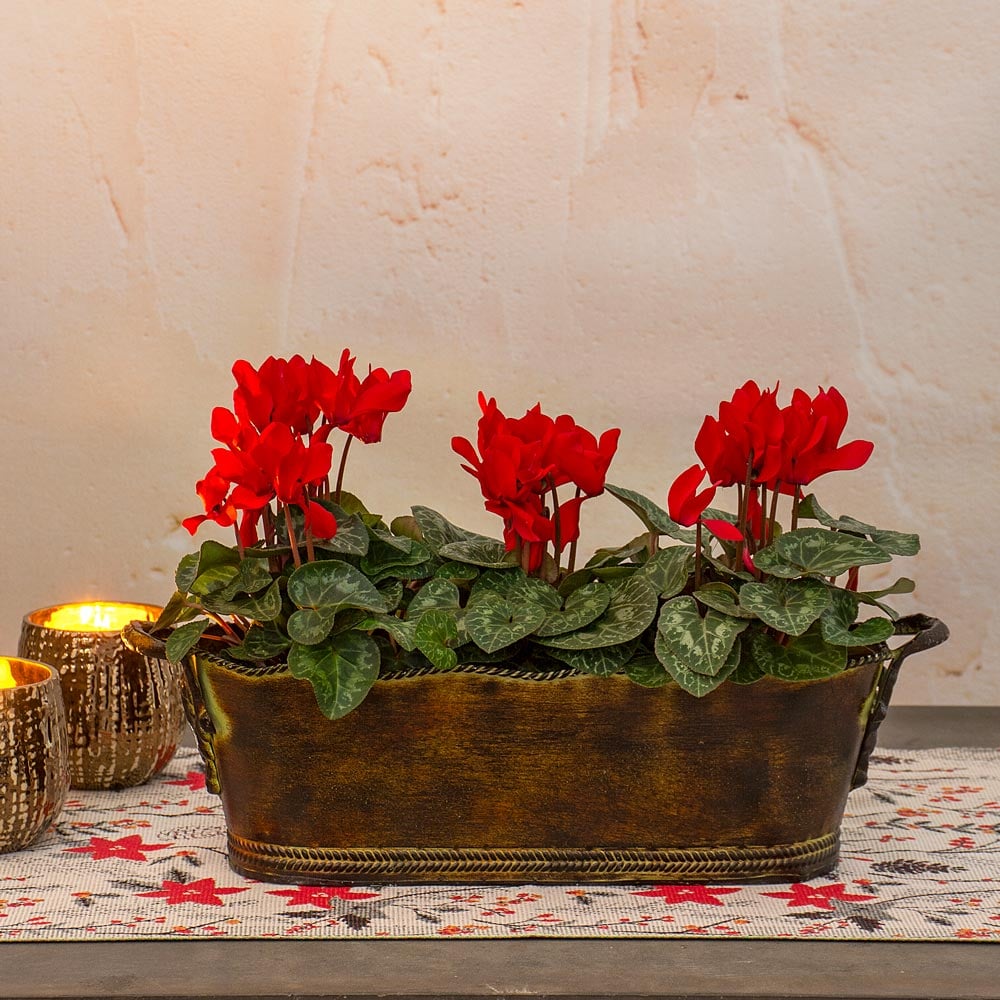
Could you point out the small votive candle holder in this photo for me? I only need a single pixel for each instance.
(34, 756)
(124, 712)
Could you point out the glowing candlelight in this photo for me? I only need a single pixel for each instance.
(100, 617)
(6, 676)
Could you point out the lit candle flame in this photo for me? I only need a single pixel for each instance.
(95, 617)
(6, 675)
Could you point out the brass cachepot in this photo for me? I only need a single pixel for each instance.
(34, 775)
(124, 711)
(486, 775)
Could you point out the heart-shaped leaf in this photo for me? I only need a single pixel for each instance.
(184, 638)
(516, 585)
(333, 584)
(805, 658)
(721, 597)
(404, 633)
(838, 623)
(701, 645)
(631, 610)
(390, 552)
(695, 683)
(341, 671)
(605, 557)
(462, 572)
(260, 644)
(352, 536)
(254, 576)
(434, 595)
(311, 626)
(818, 551)
(668, 570)
(583, 606)
(392, 593)
(897, 543)
(645, 669)
(187, 572)
(437, 531)
(437, 636)
(494, 623)
(604, 661)
(790, 606)
(263, 607)
(216, 580)
(655, 518)
(749, 671)
(486, 552)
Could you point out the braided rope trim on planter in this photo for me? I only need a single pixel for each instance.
(531, 864)
(874, 655)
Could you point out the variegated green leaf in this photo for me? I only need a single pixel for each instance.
(187, 572)
(583, 606)
(331, 583)
(702, 645)
(818, 551)
(462, 572)
(695, 683)
(790, 606)
(896, 543)
(721, 597)
(486, 552)
(404, 633)
(494, 623)
(341, 671)
(516, 585)
(630, 612)
(603, 661)
(645, 669)
(654, 517)
(310, 626)
(838, 623)
(437, 531)
(437, 636)
(184, 638)
(352, 536)
(668, 570)
(805, 658)
(260, 644)
(602, 557)
(434, 595)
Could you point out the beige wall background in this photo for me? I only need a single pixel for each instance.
(622, 208)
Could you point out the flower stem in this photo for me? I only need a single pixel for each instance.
(774, 511)
(744, 498)
(697, 556)
(572, 545)
(291, 537)
(343, 465)
(557, 541)
(796, 497)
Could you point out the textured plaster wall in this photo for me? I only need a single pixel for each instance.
(623, 208)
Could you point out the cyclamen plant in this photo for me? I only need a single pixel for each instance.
(319, 582)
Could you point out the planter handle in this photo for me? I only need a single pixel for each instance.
(927, 632)
(136, 638)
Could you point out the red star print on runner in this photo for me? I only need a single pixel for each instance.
(128, 848)
(195, 780)
(204, 890)
(801, 894)
(707, 895)
(322, 896)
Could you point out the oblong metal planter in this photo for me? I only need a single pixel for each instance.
(483, 775)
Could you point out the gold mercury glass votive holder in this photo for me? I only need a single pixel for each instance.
(124, 712)
(34, 770)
